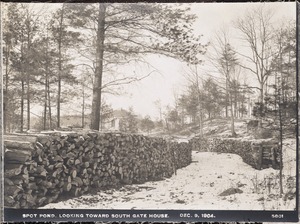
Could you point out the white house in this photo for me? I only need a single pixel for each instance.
(113, 123)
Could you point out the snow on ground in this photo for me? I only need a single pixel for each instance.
(198, 186)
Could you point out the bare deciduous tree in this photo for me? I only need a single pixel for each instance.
(226, 62)
(196, 80)
(257, 31)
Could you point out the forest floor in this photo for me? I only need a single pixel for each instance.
(216, 127)
(211, 181)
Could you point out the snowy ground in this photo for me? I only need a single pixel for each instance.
(199, 185)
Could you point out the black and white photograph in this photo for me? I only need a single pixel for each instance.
(150, 106)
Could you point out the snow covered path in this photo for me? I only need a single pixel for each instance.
(197, 186)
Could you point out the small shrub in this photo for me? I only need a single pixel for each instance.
(262, 133)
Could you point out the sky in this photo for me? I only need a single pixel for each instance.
(168, 79)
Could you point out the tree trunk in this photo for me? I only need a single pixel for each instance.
(261, 101)
(59, 65)
(5, 105)
(28, 101)
(201, 123)
(96, 103)
(280, 102)
(280, 148)
(49, 105)
(226, 98)
(58, 102)
(5, 111)
(232, 118)
(261, 92)
(199, 104)
(83, 108)
(45, 106)
(235, 105)
(28, 82)
(23, 89)
(22, 105)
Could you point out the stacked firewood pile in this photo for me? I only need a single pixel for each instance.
(40, 169)
(253, 152)
(182, 154)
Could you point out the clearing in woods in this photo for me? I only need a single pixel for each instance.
(211, 181)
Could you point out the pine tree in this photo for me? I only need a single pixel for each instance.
(121, 32)
(64, 39)
(21, 27)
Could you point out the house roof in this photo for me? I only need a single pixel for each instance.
(119, 113)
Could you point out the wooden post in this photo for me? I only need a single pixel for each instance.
(260, 158)
(258, 149)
